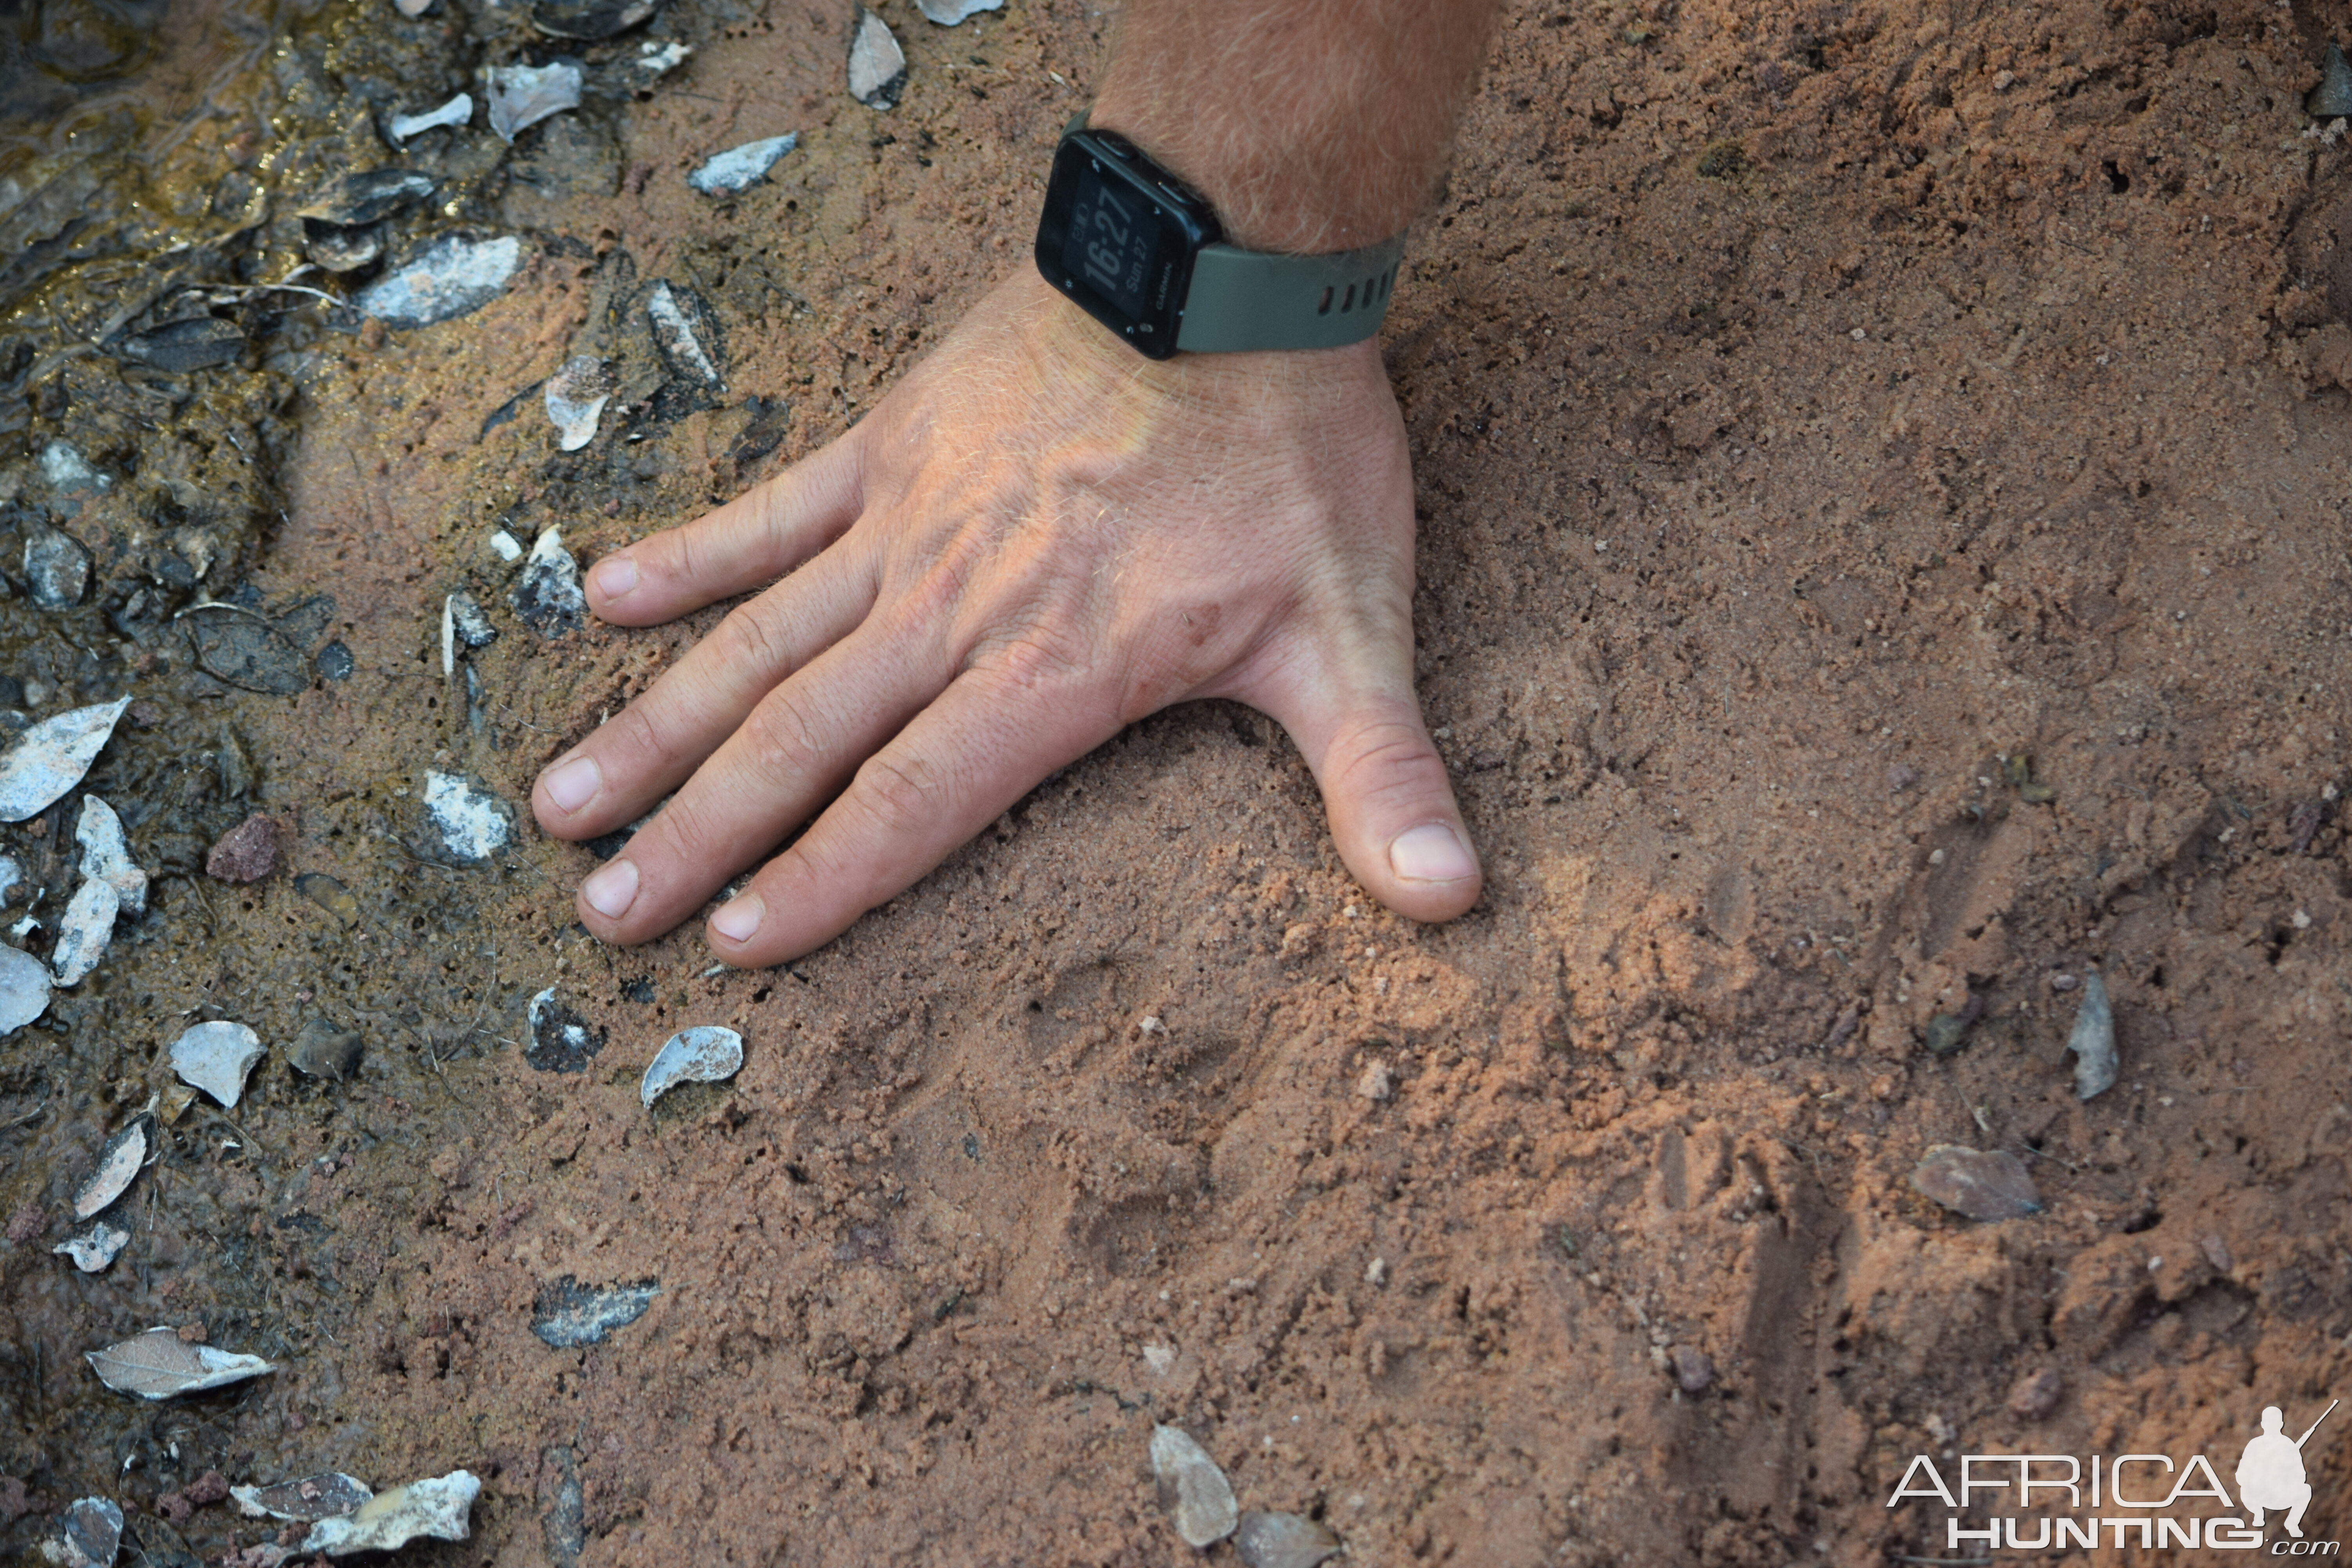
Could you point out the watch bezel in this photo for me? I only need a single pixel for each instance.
(1186, 224)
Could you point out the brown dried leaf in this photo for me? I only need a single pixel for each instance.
(158, 1364)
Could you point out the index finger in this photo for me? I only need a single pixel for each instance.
(752, 540)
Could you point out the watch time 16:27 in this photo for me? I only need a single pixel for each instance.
(1112, 240)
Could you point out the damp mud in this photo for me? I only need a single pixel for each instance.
(1884, 562)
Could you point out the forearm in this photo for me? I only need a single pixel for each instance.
(1310, 125)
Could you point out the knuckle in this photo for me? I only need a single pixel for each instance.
(782, 740)
(1387, 759)
(901, 798)
(642, 731)
(677, 554)
(747, 641)
(1033, 664)
(689, 828)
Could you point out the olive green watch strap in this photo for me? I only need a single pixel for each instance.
(1244, 299)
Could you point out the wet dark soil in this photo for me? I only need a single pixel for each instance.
(1883, 555)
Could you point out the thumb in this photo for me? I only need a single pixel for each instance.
(1390, 804)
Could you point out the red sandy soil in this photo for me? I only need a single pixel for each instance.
(1813, 407)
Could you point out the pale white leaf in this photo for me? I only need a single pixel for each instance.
(159, 1363)
(215, 1057)
(122, 1159)
(705, 1054)
(51, 757)
(24, 989)
(435, 1509)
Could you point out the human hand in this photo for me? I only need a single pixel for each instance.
(1037, 538)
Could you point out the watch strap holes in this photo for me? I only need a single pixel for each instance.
(1372, 290)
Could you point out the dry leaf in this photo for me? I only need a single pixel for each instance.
(437, 1508)
(89, 1536)
(51, 757)
(215, 1057)
(121, 1160)
(94, 1248)
(568, 1314)
(306, 1501)
(158, 1364)
(704, 1054)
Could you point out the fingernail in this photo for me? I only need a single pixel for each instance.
(737, 920)
(574, 783)
(1431, 853)
(615, 577)
(612, 889)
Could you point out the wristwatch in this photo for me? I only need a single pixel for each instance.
(1142, 252)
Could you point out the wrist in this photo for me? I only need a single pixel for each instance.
(1094, 362)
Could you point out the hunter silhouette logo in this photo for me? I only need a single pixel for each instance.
(2041, 1501)
(2270, 1473)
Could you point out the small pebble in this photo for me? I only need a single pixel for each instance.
(1192, 1489)
(2092, 1040)
(329, 895)
(2217, 1253)
(877, 66)
(246, 853)
(474, 824)
(467, 621)
(56, 568)
(1900, 777)
(1693, 1368)
(321, 1050)
(2332, 99)
(2036, 1395)
(451, 276)
(1987, 1185)
(548, 595)
(1377, 1083)
(730, 172)
(1282, 1541)
(2062, 982)
(1946, 1032)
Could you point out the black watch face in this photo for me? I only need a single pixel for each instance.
(1118, 237)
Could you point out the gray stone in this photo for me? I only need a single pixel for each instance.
(1193, 1490)
(56, 568)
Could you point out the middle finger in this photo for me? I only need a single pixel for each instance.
(794, 751)
(654, 743)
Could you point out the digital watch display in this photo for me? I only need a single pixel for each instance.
(1142, 252)
(1118, 236)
